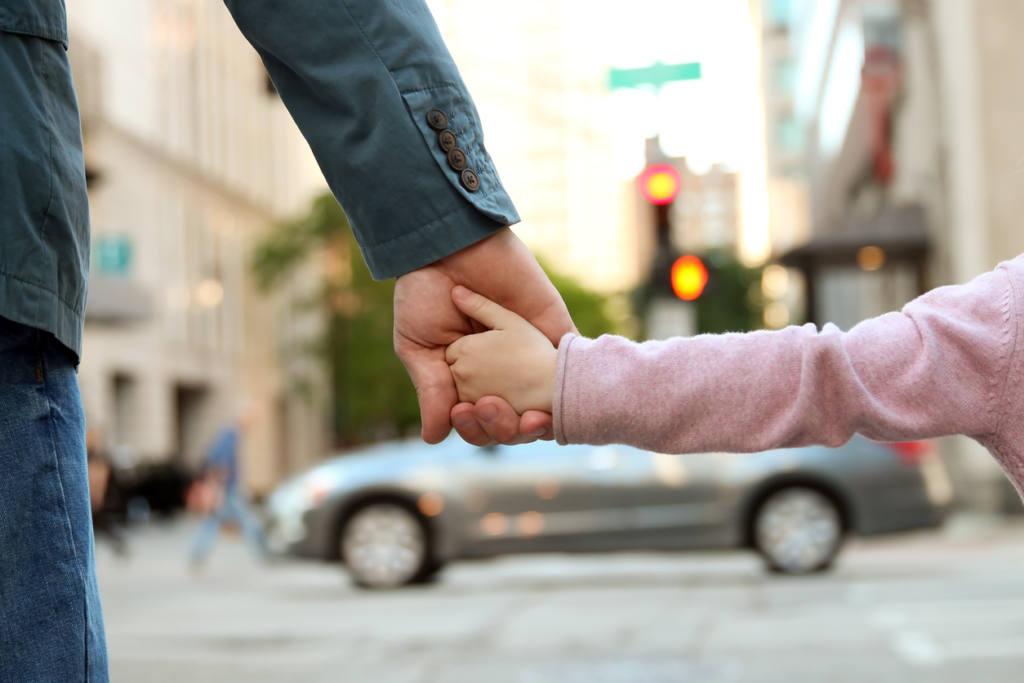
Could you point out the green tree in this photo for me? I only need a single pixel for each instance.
(372, 396)
(732, 301)
(589, 309)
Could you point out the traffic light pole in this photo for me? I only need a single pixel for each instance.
(667, 316)
(664, 228)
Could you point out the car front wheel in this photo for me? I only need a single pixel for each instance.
(384, 545)
(797, 530)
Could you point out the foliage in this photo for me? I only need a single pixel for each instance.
(370, 390)
(587, 308)
(372, 394)
(732, 301)
(292, 241)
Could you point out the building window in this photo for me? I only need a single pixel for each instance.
(788, 134)
(785, 75)
(780, 13)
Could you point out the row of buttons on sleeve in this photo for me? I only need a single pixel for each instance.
(437, 120)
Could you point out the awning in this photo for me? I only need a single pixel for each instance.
(901, 231)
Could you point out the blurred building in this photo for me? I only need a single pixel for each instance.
(707, 213)
(557, 132)
(899, 122)
(784, 137)
(190, 157)
(542, 91)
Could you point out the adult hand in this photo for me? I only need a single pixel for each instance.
(501, 268)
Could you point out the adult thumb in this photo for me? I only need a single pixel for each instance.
(435, 388)
(482, 309)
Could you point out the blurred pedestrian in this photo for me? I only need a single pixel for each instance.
(220, 493)
(951, 362)
(381, 103)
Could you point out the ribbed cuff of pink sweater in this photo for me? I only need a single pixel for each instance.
(557, 401)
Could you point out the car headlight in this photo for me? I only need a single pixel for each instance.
(296, 497)
(317, 486)
(285, 498)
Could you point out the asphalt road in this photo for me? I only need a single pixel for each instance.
(942, 606)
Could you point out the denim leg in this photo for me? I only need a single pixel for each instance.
(236, 508)
(205, 535)
(51, 624)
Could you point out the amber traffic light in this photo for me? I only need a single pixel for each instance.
(659, 184)
(689, 277)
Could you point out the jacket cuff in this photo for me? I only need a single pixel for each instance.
(430, 242)
(453, 138)
(371, 86)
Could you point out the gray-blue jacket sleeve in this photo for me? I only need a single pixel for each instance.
(360, 77)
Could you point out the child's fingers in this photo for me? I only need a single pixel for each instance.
(483, 310)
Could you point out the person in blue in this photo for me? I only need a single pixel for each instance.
(381, 103)
(221, 474)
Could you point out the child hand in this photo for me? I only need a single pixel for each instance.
(513, 360)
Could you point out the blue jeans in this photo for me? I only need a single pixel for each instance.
(233, 509)
(51, 625)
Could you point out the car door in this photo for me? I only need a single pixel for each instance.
(543, 497)
(677, 501)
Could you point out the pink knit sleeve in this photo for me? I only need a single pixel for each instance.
(937, 367)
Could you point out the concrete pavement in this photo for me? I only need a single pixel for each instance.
(938, 606)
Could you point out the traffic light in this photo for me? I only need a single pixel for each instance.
(659, 184)
(688, 294)
(672, 275)
(688, 277)
(675, 281)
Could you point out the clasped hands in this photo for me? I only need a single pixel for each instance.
(477, 365)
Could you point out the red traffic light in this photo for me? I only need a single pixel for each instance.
(689, 277)
(659, 184)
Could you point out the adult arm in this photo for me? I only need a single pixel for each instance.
(364, 80)
(360, 78)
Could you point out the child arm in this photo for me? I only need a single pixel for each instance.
(935, 368)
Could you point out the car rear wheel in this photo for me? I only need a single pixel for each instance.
(384, 545)
(797, 530)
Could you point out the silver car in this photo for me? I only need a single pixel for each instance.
(395, 513)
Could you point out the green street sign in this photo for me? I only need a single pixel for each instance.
(113, 255)
(656, 74)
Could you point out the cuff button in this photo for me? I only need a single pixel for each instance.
(436, 119)
(469, 180)
(457, 159)
(447, 140)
